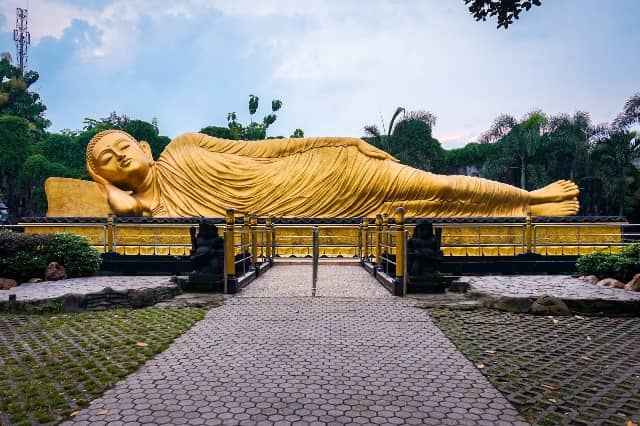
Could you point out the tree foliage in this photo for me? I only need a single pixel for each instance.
(536, 150)
(139, 129)
(255, 130)
(17, 100)
(409, 139)
(505, 10)
(630, 115)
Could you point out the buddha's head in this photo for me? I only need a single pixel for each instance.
(115, 157)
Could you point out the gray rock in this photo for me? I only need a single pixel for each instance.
(549, 305)
(592, 279)
(634, 284)
(55, 272)
(611, 282)
(7, 283)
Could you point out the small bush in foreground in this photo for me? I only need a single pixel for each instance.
(25, 256)
(74, 253)
(604, 265)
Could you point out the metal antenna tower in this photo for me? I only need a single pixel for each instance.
(22, 37)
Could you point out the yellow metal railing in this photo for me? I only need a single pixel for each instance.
(385, 245)
(458, 239)
(333, 240)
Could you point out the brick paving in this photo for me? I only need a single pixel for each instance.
(86, 285)
(578, 371)
(333, 281)
(561, 286)
(302, 360)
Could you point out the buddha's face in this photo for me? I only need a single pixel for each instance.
(120, 160)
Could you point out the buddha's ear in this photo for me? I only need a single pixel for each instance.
(146, 148)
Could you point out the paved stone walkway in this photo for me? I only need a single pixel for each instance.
(333, 281)
(302, 360)
(86, 285)
(560, 286)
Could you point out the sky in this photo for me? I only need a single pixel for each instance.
(337, 65)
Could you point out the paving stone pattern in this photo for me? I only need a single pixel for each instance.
(86, 285)
(333, 281)
(560, 286)
(579, 371)
(307, 361)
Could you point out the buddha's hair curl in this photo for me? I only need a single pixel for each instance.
(90, 165)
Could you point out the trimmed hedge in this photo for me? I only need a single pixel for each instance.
(25, 256)
(621, 266)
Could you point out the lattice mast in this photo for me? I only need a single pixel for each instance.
(22, 37)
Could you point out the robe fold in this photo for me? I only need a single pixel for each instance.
(199, 175)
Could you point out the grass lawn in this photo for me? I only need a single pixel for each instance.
(52, 365)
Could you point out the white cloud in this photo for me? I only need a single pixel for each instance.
(263, 8)
(116, 24)
(46, 18)
(340, 64)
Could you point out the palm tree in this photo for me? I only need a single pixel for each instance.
(630, 114)
(569, 135)
(614, 151)
(373, 131)
(521, 140)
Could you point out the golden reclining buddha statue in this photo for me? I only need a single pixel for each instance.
(202, 176)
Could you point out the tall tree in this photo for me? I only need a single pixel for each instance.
(630, 115)
(255, 130)
(15, 97)
(409, 139)
(15, 137)
(520, 140)
(34, 171)
(568, 136)
(613, 154)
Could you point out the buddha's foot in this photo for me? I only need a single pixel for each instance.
(560, 190)
(561, 208)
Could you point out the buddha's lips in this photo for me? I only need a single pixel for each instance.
(125, 162)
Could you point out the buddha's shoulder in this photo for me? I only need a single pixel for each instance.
(201, 138)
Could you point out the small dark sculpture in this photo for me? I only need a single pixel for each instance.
(207, 254)
(424, 254)
(423, 260)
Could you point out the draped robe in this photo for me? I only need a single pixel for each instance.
(199, 175)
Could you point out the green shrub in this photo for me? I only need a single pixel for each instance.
(25, 256)
(74, 253)
(12, 242)
(605, 265)
(631, 251)
(22, 265)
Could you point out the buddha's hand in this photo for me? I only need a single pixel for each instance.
(122, 203)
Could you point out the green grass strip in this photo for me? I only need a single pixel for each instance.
(53, 365)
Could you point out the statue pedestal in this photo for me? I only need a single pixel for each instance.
(430, 283)
(199, 281)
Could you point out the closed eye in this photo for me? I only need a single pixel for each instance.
(105, 158)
